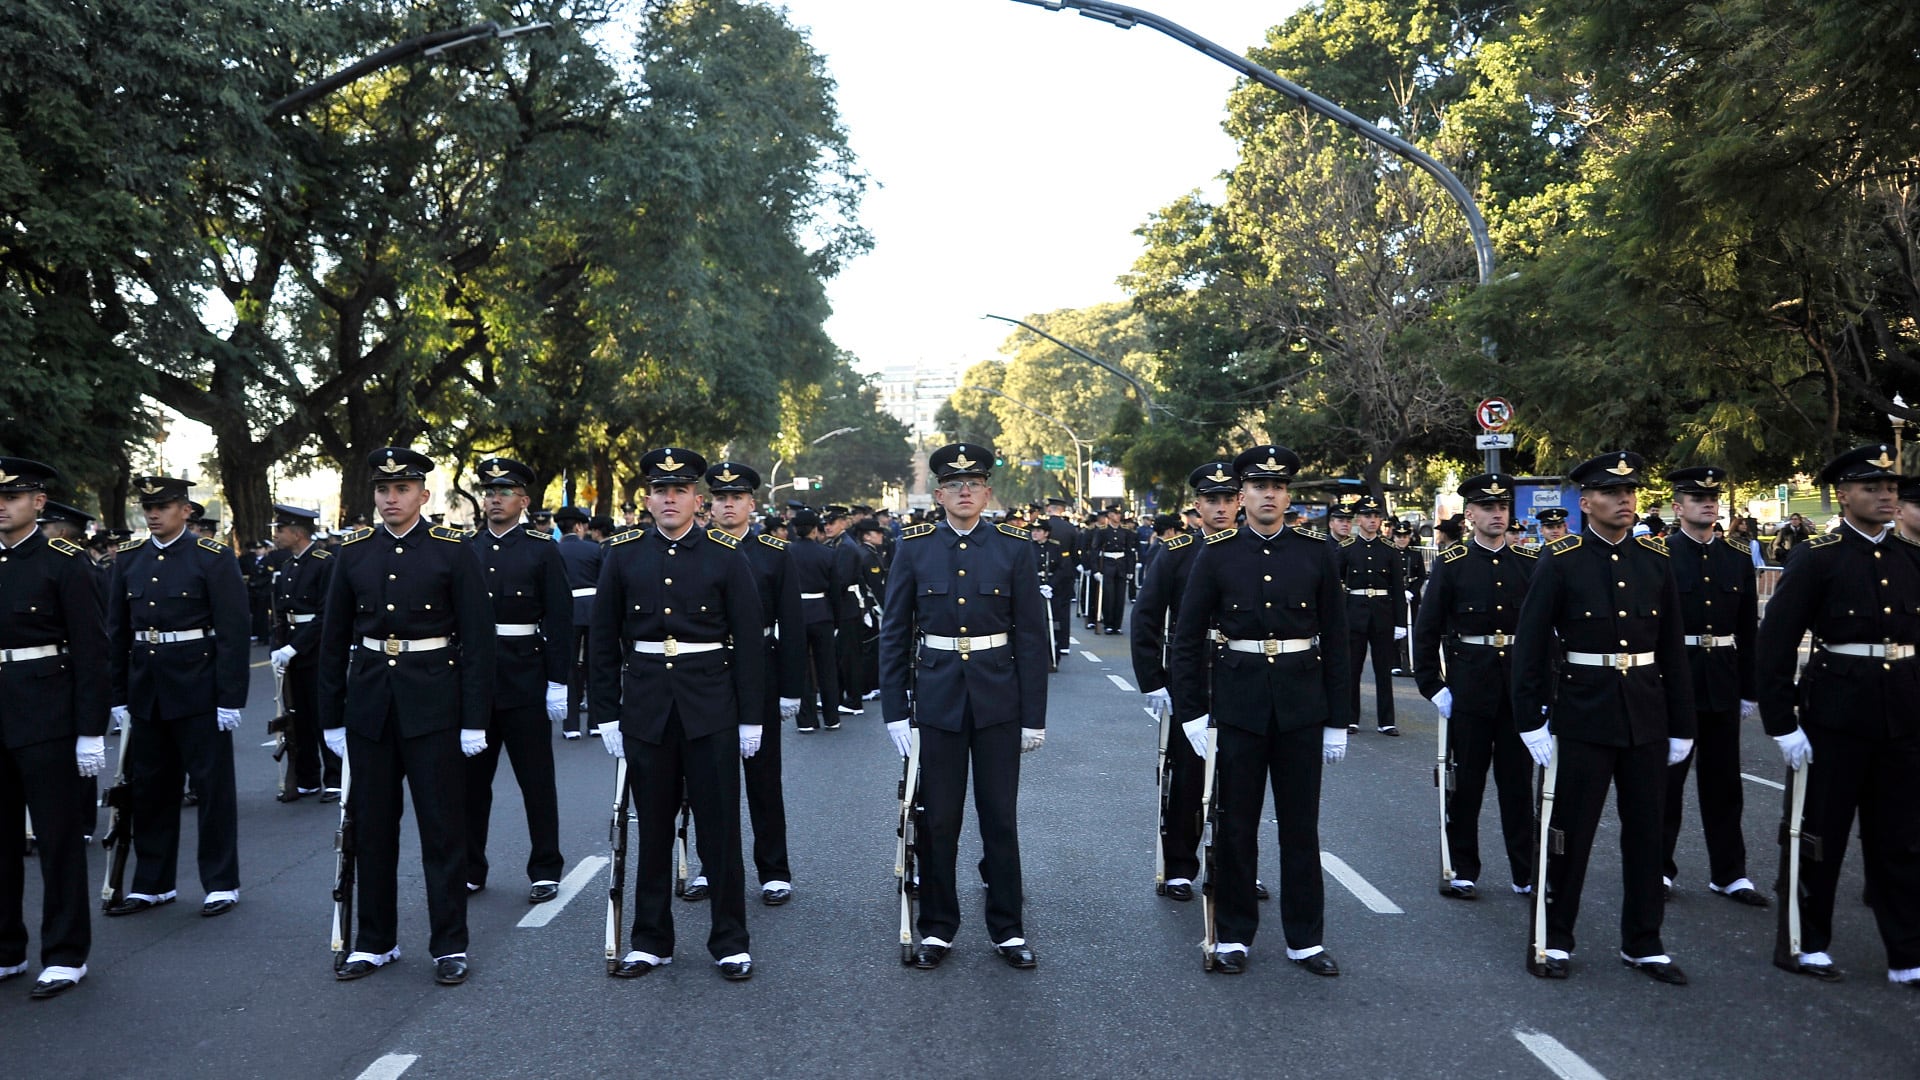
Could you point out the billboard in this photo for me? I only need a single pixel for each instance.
(1106, 481)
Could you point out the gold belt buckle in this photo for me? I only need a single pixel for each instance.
(964, 644)
(1501, 640)
(393, 647)
(670, 646)
(153, 636)
(1622, 662)
(1270, 647)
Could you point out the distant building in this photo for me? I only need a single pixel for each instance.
(913, 393)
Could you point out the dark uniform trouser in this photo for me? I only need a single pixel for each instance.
(1181, 846)
(313, 764)
(766, 801)
(162, 751)
(1379, 638)
(1404, 652)
(523, 734)
(1480, 743)
(1639, 777)
(1062, 631)
(1717, 750)
(1243, 764)
(655, 772)
(41, 778)
(846, 649)
(436, 774)
(577, 679)
(994, 753)
(1113, 606)
(824, 685)
(1877, 776)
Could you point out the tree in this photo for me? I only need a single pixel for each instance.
(870, 456)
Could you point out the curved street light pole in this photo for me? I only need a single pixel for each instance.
(1079, 493)
(1140, 388)
(425, 45)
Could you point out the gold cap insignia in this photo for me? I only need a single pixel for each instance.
(1494, 489)
(1710, 482)
(1218, 476)
(1349, 499)
(496, 472)
(7, 477)
(727, 477)
(1622, 469)
(961, 461)
(667, 463)
(391, 465)
(151, 488)
(1883, 461)
(1272, 464)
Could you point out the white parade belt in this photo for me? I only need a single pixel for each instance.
(1709, 641)
(1618, 661)
(1270, 646)
(670, 647)
(302, 620)
(31, 652)
(515, 629)
(168, 637)
(396, 646)
(589, 591)
(966, 644)
(1878, 652)
(1498, 640)
(813, 596)
(1368, 592)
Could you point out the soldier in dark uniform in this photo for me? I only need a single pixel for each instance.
(406, 691)
(965, 633)
(582, 554)
(848, 624)
(1857, 732)
(1340, 522)
(177, 613)
(689, 705)
(1413, 566)
(784, 641)
(532, 656)
(299, 600)
(1471, 613)
(69, 523)
(870, 545)
(1217, 491)
(1617, 710)
(1275, 691)
(1057, 571)
(821, 579)
(1373, 574)
(53, 724)
(1553, 524)
(1118, 552)
(1721, 612)
(1060, 526)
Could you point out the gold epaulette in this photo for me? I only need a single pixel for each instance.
(1567, 543)
(1014, 531)
(773, 542)
(912, 531)
(627, 537)
(1653, 543)
(539, 534)
(1179, 542)
(1313, 534)
(354, 536)
(212, 545)
(1824, 540)
(65, 546)
(1735, 545)
(320, 553)
(726, 539)
(130, 545)
(1454, 553)
(1347, 541)
(1223, 534)
(1529, 551)
(441, 532)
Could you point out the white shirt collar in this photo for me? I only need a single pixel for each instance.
(1870, 538)
(24, 539)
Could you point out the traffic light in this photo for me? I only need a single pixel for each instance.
(815, 483)
(999, 461)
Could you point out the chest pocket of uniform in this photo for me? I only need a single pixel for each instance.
(1300, 596)
(933, 588)
(996, 592)
(136, 589)
(191, 591)
(1469, 607)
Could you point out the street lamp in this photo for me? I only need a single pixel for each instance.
(774, 473)
(1078, 459)
(1140, 388)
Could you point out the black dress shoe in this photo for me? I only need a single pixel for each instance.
(1551, 967)
(1823, 972)
(134, 905)
(832, 725)
(1353, 729)
(1390, 729)
(696, 890)
(928, 957)
(1749, 897)
(806, 729)
(1181, 892)
(51, 988)
(1229, 963)
(331, 794)
(543, 892)
(737, 970)
(217, 907)
(291, 795)
(632, 969)
(450, 970)
(1320, 963)
(775, 897)
(1459, 892)
(1667, 972)
(1016, 956)
(355, 969)
(1260, 891)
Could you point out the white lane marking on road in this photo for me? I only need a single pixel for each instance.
(570, 886)
(389, 1067)
(1124, 685)
(1071, 640)
(1360, 887)
(1774, 784)
(1564, 1063)
(1091, 656)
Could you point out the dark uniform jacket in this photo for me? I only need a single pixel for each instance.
(1413, 568)
(872, 580)
(818, 572)
(976, 585)
(697, 589)
(1054, 565)
(1065, 533)
(1114, 540)
(1373, 564)
(527, 582)
(1161, 587)
(300, 588)
(1846, 589)
(1717, 598)
(785, 625)
(583, 558)
(1602, 598)
(1253, 588)
(1477, 592)
(845, 594)
(48, 596)
(191, 584)
(425, 584)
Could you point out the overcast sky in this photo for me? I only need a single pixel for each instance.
(1014, 151)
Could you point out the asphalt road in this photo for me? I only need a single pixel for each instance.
(1430, 987)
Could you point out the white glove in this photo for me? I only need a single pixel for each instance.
(1031, 739)
(1159, 702)
(1399, 633)
(1333, 744)
(1678, 749)
(610, 737)
(1046, 592)
(90, 754)
(1540, 744)
(1749, 710)
(789, 709)
(121, 715)
(897, 731)
(749, 740)
(472, 740)
(336, 738)
(556, 701)
(1795, 748)
(228, 719)
(1444, 702)
(1196, 733)
(281, 657)
(1409, 596)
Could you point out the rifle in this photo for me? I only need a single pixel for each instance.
(280, 728)
(1053, 646)
(1210, 802)
(617, 876)
(1100, 604)
(1163, 776)
(343, 872)
(905, 871)
(1796, 834)
(681, 869)
(120, 824)
(1444, 780)
(32, 840)
(1547, 838)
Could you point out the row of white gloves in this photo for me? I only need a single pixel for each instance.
(899, 731)
(1794, 747)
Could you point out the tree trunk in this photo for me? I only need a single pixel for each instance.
(602, 456)
(243, 477)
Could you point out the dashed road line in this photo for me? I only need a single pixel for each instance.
(1774, 784)
(1091, 656)
(388, 1067)
(1564, 1063)
(1071, 640)
(570, 886)
(1360, 887)
(1125, 686)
